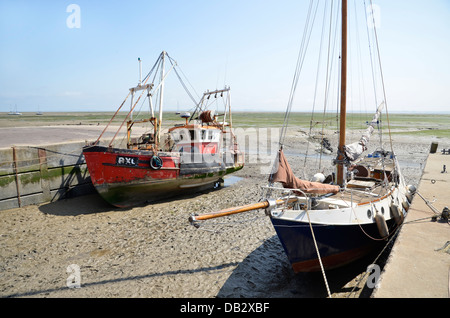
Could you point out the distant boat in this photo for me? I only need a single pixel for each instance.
(39, 112)
(191, 156)
(15, 112)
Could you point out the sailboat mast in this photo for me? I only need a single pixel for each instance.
(342, 124)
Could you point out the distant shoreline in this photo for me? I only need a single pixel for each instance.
(31, 113)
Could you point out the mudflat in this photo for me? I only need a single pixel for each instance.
(153, 251)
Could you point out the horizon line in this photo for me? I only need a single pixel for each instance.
(411, 112)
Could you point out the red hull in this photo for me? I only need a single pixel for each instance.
(126, 177)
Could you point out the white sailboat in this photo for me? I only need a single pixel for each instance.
(327, 225)
(15, 112)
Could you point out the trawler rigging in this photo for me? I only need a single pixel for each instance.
(190, 156)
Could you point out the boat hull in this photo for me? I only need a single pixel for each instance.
(338, 245)
(126, 178)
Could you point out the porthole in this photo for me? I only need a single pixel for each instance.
(382, 210)
(369, 214)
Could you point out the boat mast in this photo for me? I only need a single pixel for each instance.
(342, 125)
(161, 95)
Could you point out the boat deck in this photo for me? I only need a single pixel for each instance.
(364, 195)
(367, 186)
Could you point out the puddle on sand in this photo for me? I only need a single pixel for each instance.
(230, 180)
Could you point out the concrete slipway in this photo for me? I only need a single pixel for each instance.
(419, 264)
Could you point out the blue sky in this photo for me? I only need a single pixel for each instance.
(250, 45)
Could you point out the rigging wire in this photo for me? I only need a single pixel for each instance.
(316, 86)
(330, 64)
(330, 61)
(174, 63)
(381, 75)
(158, 61)
(301, 57)
(374, 83)
(371, 56)
(361, 87)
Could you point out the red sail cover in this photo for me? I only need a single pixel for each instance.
(285, 176)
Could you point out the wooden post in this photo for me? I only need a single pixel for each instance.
(16, 173)
(43, 167)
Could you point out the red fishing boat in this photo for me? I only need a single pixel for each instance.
(191, 156)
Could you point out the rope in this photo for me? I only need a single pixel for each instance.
(397, 231)
(375, 260)
(318, 256)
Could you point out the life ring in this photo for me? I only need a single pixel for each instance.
(156, 163)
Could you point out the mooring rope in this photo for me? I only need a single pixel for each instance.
(318, 256)
(376, 259)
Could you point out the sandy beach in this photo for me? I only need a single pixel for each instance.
(153, 251)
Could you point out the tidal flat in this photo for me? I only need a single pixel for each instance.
(152, 250)
(401, 122)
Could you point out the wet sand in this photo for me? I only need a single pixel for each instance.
(153, 251)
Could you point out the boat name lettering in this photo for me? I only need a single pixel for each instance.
(126, 161)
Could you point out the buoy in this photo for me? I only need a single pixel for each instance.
(397, 213)
(381, 224)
